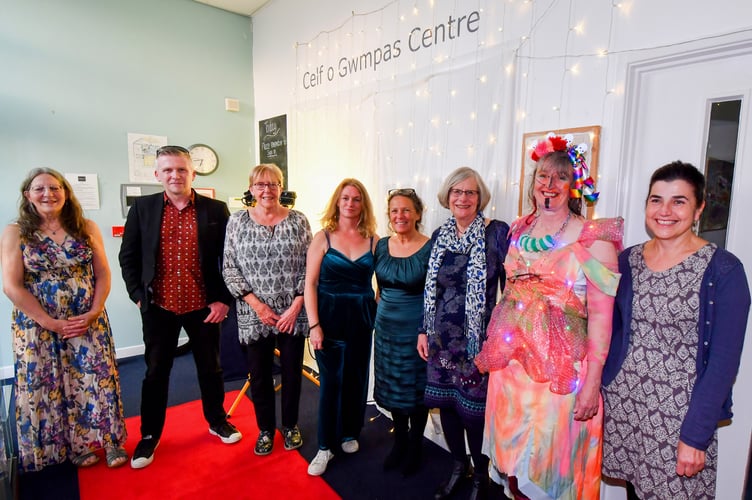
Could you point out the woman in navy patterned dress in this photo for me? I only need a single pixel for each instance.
(465, 274)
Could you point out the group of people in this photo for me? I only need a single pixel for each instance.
(553, 356)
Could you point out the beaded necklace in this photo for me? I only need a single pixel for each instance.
(544, 243)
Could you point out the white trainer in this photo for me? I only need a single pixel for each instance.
(350, 446)
(319, 462)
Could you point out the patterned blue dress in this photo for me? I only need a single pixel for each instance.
(453, 379)
(67, 391)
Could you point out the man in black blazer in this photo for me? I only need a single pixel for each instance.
(171, 260)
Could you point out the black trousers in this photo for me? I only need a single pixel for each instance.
(161, 331)
(260, 356)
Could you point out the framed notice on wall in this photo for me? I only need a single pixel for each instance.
(273, 142)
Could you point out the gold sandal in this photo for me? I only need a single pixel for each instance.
(85, 460)
(116, 457)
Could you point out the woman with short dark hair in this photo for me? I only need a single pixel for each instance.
(678, 331)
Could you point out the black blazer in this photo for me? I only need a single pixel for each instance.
(138, 251)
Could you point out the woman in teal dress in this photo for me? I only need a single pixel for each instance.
(55, 272)
(401, 264)
(340, 306)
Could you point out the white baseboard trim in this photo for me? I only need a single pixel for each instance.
(6, 372)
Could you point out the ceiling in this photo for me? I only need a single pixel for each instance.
(242, 7)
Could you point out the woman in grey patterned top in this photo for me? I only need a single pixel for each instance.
(264, 268)
(679, 321)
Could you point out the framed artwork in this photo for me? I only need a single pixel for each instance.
(208, 192)
(588, 135)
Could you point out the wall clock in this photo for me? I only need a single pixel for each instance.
(205, 159)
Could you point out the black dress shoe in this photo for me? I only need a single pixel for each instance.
(480, 488)
(461, 470)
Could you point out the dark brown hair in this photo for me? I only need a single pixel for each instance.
(71, 217)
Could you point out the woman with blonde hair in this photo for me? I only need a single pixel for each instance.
(264, 268)
(340, 304)
(399, 372)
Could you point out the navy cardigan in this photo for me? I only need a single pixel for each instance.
(725, 299)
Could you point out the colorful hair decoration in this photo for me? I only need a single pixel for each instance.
(583, 185)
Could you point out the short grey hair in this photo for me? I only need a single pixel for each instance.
(459, 175)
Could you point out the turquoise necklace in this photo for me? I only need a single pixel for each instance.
(544, 243)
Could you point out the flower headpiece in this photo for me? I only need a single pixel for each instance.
(583, 185)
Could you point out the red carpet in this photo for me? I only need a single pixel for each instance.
(190, 463)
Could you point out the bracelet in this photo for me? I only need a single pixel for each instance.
(313, 326)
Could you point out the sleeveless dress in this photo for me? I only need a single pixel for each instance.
(400, 373)
(536, 353)
(346, 312)
(453, 380)
(67, 391)
(647, 401)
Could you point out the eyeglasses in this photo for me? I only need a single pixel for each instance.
(400, 192)
(170, 150)
(271, 186)
(42, 189)
(470, 193)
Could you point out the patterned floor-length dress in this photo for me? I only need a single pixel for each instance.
(646, 403)
(67, 391)
(537, 352)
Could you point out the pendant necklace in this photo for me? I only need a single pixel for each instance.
(53, 231)
(544, 243)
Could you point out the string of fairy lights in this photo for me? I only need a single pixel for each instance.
(448, 104)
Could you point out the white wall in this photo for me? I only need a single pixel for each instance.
(77, 76)
(558, 64)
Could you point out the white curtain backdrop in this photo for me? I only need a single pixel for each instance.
(409, 120)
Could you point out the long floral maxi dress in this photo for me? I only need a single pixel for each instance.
(67, 391)
(537, 354)
(647, 401)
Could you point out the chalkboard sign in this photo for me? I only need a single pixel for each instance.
(273, 142)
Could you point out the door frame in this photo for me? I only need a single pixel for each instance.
(630, 179)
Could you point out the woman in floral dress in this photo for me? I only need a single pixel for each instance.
(56, 274)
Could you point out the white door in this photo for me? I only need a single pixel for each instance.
(668, 103)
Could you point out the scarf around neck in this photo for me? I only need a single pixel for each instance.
(472, 243)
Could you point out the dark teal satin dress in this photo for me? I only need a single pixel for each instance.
(400, 373)
(347, 308)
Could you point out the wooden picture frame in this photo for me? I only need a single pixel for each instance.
(588, 135)
(208, 192)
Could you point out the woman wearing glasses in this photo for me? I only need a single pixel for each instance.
(56, 274)
(401, 263)
(264, 267)
(340, 304)
(549, 334)
(465, 272)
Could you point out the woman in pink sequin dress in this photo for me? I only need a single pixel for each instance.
(549, 335)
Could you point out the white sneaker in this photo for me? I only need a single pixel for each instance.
(319, 462)
(350, 446)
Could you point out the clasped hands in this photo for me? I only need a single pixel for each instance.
(75, 326)
(284, 322)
